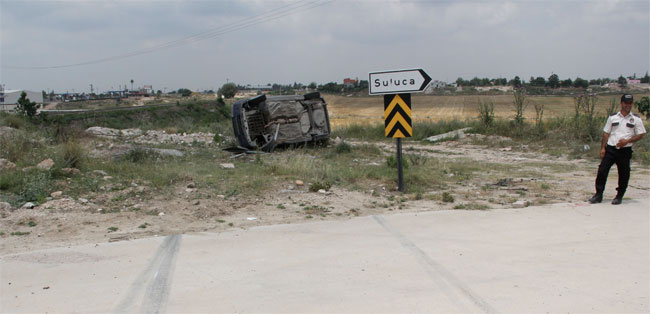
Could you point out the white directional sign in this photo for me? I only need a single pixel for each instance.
(400, 81)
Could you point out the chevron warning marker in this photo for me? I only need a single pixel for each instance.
(397, 115)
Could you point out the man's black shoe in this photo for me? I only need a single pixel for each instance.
(617, 201)
(597, 198)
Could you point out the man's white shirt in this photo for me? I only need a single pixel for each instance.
(620, 127)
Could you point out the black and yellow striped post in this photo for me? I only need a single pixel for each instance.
(397, 119)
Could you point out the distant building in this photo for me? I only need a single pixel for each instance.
(349, 83)
(9, 98)
(251, 91)
(507, 88)
(633, 82)
(438, 84)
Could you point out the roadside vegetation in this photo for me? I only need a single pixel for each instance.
(115, 176)
(62, 139)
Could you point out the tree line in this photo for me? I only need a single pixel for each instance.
(553, 81)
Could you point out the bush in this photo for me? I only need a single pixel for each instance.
(519, 106)
(391, 162)
(35, 186)
(15, 147)
(314, 187)
(343, 147)
(486, 113)
(73, 154)
(643, 106)
(139, 154)
(10, 179)
(26, 107)
(13, 121)
(447, 197)
(66, 133)
(228, 90)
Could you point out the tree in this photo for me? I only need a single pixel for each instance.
(539, 81)
(25, 106)
(228, 90)
(621, 81)
(516, 82)
(131, 84)
(643, 106)
(363, 84)
(646, 78)
(312, 85)
(500, 82)
(580, 83)
(331, 87)
(567, 83)
(184, 92)
(553, 81)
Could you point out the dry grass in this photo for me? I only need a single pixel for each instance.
(358, 110)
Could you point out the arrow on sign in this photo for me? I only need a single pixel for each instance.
(400, 81)
(397, 113)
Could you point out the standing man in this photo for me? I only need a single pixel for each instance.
(620, 132)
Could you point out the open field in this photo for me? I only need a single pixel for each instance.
(349, 110)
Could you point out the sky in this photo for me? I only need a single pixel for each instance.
(67, 45)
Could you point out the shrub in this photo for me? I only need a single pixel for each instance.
(217, 139)
(35, 186)
(343, 147)
(520, 104)
(10, 179)
(314, 187)
(16, 147)
(139, 154)
(391, 162)
(486, 113)
(73, 154)
(26, 107)
(643, 106)
(447, 197)
(612, 107)
(13, 121)
(539, 114)
(417, 159)
(65, 133)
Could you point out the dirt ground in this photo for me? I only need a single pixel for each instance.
(65, 221)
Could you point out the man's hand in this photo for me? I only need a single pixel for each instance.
(622, 142)
(602, 153)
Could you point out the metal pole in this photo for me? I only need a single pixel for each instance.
(400, 175)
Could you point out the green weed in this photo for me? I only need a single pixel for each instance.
(447, 197)
(316, 186)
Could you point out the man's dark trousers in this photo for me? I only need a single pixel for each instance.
(621, 157)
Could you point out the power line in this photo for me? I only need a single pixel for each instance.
(274, 14)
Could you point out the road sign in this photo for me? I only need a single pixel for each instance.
(397, 115)
(400, 81)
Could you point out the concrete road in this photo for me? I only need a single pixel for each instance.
(557, 258)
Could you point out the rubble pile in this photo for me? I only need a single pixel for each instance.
(151, 136)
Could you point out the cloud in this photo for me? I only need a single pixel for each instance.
(324, 43)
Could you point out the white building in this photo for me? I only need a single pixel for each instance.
(9, 98)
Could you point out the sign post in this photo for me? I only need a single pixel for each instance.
(396, 87)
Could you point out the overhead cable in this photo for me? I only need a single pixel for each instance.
(274, 14)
